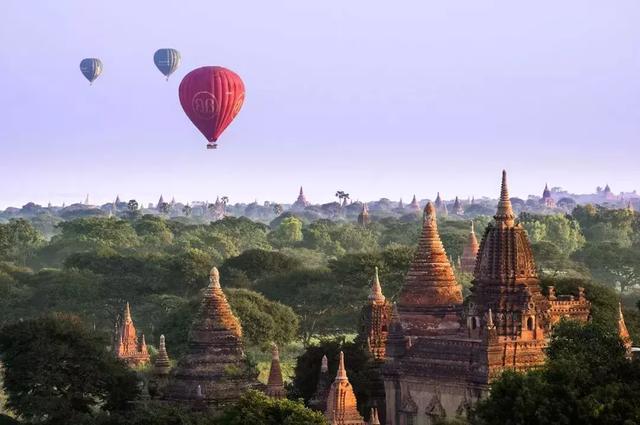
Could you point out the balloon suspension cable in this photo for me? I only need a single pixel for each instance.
(212, 145)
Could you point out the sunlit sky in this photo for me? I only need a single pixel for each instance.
(376, 98)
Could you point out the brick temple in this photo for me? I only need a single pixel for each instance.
(127, 345)
(215, 370)
(441, 355)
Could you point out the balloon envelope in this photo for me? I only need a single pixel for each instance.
(211, 97)
(167, 60)
(91, 68)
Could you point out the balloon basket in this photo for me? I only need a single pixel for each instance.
(212, 146)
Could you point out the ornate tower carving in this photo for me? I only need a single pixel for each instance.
(130, 348)
(375, 319)
(506, 283)
(342, 405)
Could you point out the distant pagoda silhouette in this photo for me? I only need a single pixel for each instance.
(301, 203)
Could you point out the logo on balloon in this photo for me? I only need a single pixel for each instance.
(205, 105)
(237, 105)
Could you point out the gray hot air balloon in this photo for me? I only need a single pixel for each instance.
(167, 61)
(91, 68)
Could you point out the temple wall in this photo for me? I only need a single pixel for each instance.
(451, 397)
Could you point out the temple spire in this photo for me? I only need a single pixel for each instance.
(505, 215)
(430, 281)
(342, 372)
(376, 295)
(214, 278)
(324, 365)
(162, 365)
(342, 405)
(275, 384)
(623, 332)
(127, 313)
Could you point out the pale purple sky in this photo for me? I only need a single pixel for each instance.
(377, 98)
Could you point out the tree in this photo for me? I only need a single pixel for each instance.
(288, 233)
(323, 304)
(259, 263)
(561, 230)
(586, 380)
(612, 263)
(152, 413)
(186, 210)
(19, 240)
(256, 408)
(56, 370)
(133, 206)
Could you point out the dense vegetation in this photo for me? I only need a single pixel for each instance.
(291, 282)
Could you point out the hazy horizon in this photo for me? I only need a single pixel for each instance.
(366, 97)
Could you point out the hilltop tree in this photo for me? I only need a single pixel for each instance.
(287, 233)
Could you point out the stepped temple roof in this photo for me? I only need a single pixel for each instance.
(431, 298)
(162, 364)
(215, 361)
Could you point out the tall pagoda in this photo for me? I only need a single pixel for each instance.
(414, 206)
(128, 347)
(375, 319)
(441, 205)
(431, 300)
(470, 252)
(547, 200)
(441, 358)
(275, 384)
(457, 207)
(319, 399)
(342, 406)
(363, 217)
(301, 203)
(215, 369)
(160, 371)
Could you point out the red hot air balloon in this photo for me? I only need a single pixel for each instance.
(211, 97)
